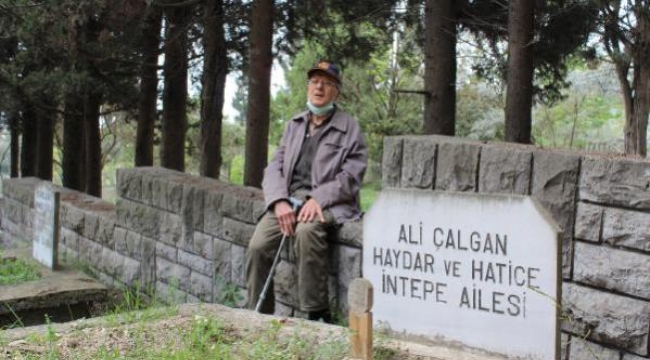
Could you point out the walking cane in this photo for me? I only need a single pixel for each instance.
(296, 204)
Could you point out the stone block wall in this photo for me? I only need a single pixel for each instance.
(602, 205)
(183, 237)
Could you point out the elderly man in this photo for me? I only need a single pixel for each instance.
(321, 161)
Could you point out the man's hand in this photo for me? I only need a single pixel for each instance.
(310, 211)
(286, 217)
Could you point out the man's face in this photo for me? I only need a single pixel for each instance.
(322, 89)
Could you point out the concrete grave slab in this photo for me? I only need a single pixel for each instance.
(46, 224)
(479, 271)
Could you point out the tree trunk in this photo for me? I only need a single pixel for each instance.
(642, 110)
(215, 69)
(519, 97)
(93, 145)
(257, 121)
(28, 153)
(440, 67)
(73, 144)
(642, 82)
(45, 143)
(174, 122)
(14, 127)
(148, 86)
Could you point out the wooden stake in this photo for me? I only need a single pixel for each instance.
(360, 300)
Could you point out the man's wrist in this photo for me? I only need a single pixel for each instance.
(276, 202)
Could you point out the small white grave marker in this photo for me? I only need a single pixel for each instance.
(46, 225)
(479, 270)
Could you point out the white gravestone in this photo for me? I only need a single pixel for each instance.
(46, 225)
(479, 270)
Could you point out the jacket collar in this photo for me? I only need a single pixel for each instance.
(338, 119)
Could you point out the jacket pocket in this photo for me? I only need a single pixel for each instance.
(327, 162)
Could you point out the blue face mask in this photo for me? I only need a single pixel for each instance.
(320, 110)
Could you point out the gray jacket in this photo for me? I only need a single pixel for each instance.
(337, 170)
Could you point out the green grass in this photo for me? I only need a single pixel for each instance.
(15, 271)
(369, 193)
(204, 337)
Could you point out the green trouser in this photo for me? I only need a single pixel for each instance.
(311, 248)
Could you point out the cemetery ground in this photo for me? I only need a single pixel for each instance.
(125, 325)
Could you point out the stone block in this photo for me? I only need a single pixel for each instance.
(131, 273)
(505, 170)
(203, 245)
(589, 222)
(196, 263)
(21, 189)
(627, 228)
(159, 192)
(74, 218)
(286, 284)
(633, 357)
(391, 172)
(606, 318)
(71, 256)
(13, 210)
(212, 218)
(166, 252)
(201, 286)
(11, 232)
(191, 299)
(87, 249)
(621, 271)
(107, 280)
(172, 273)
(348, 269)
(238, 257)
(186, 215)
(351, 234)
(234, 206)
(146, 197)
(555, 183)
(420, 169)
(91, 225)
(139, 218)
(119, 239)
(175, 192)
(620, 182)
(259, 208)
(237, 232)
(106, 231)
(223, 259)
(283, 310)
(129, 245)
(129, 184)
(148, 265)
(457, 166)
(69, 239)
(148, 175)
(132, 245)
(197, 198)
(146, 220)
(170, 294)
(170, 228)
(111, 263)
(581, 349)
